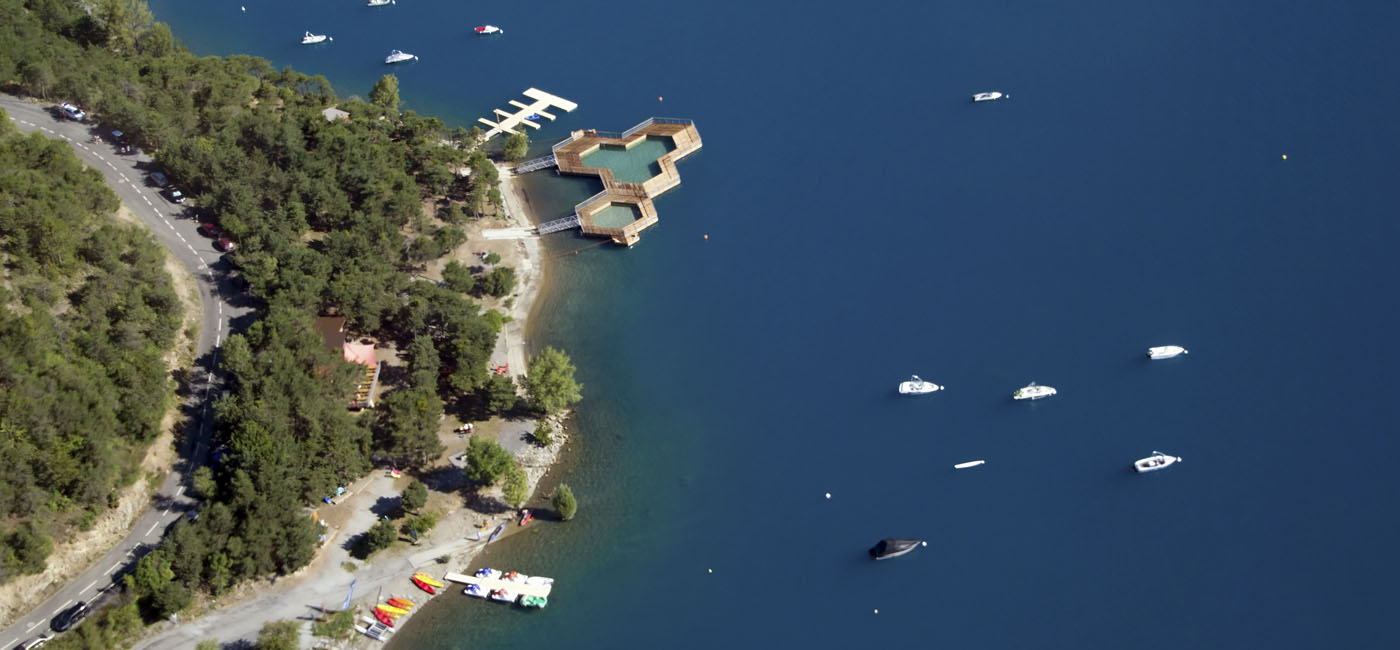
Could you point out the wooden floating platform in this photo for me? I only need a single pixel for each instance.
(543, 101)
(491, 584)
(569, 155)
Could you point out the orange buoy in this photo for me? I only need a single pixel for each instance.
(660, 99)
(707, 236)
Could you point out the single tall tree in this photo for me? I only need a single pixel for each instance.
(550, 382)
(385, 93)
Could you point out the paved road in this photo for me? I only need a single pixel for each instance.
(221, 305)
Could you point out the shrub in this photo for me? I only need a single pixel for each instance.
(543, 434)
(564, 502)
(487, 460)
(499, 282)
(414, 496)
(517, 487)
(458, 277)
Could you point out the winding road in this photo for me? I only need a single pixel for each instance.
(222, 306)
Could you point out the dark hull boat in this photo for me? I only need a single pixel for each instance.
(893, 547)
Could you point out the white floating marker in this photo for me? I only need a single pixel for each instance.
(828, 495)
(970, 463)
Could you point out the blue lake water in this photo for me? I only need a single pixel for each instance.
(867, 221)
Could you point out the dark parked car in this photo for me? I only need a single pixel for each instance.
(158, 179)
(225, 244)
(69, 617)
(175, 195)
(210, 230)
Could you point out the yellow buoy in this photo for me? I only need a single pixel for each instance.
(1285, 156)
(877, 611)
(709, 570)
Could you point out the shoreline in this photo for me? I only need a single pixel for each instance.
(326, 580)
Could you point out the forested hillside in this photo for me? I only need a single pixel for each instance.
(88, 314)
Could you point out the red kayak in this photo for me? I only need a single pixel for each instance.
(383, 617)
(423, 585)
(400, 603)
(526, 516)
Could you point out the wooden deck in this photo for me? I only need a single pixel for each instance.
(569, 156)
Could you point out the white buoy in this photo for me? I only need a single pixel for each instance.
(828, 495)
(925, 543)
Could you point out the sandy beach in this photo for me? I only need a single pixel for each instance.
(463, 525)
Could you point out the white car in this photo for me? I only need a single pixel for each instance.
(34, 643)
(72, 112)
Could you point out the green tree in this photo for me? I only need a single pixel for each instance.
(499, 282)
(385, 93)
(204, 485)
(458, 277)
(280, 635)
(499, 395)
(517, 144)
(493, 258)
(564, 502)
(487, 460)
(26, 550)
(419, 524)
(516, 487)
(543, 434)
(424, 364)
(415, 496)
(550, 382)
(380, 536)
(408, 423)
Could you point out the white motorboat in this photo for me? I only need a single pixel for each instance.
(312, 39)
(1033, 391)
(916, 386)
(1165, 351)
(396, 56)
(1156, 461)
(539, 580)
(380, 3)
(970, 463)
(487, 30)
(987, 97)
(503, 596)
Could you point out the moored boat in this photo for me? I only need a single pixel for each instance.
(380, 3)
(1166, 351)
(1156, 461)
(987, 96)
(916, 386)
(515, 576)
(487, 572)
(310, 39)
(894, 547)
(538, 602)
(502, 596)
(487, 30)
(475, 590)
(1033, 391)
(539, 580)
(970, 463)
(396, 56)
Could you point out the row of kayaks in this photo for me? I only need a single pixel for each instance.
(505, 595)
(917, 386)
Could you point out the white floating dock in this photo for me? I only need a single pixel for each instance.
(543, 101)
(490, 584)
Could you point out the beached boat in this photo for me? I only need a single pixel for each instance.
(894, 547)
(384, 618)
(428, 579)
(502, 596)
(400, 603)
(526, 516)
(487, 573)
(389, 611)
(376, 626)
(1033, 391)
(497, 533)
(538, 602)
(970, 463)
(1166, 351)
(396, 611)
(311, 39)
(487, 30)
(475, 590)
(916, 386)
(396, 56)
(421, 584)
(987, 96)
(1156, 461)
(380, 3)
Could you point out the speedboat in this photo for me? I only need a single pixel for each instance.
(396, 56)
(1033, 391)
(380, 3)
(987, 97)
(1156, 461)
(487, 30)
(427, 579)
(311, 39)
(1165, 351)
(488, 573)
(502, 596)
(538, 602)
(894, 547)
(475, 590)
(970, 463)
(916, 386)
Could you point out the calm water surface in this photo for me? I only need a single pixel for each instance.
(866, 221)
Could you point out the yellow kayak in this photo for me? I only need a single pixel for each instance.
(400, 602)
(428, 579)
(392, 611)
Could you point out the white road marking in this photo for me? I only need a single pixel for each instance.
(113, 568)
(182, 237)
(152, 528)
(147, 199)
(90, 585)
(123, 177)
(31, 626)
(180, 491)
(109, 164)
(216, 340)
(46, 129)
(62, 607)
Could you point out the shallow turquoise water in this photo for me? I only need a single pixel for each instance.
(616, 215)
(1130, 192)
(635, 164)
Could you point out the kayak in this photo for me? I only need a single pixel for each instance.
(386, 611)
(418, 582)
(397, 611)
(499, 529)
(384, 618)
(526, 516)
(428, 579)
(399, 602)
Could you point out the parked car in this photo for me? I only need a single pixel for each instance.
(210, 230)
(159, 180)
(35, 642)
(225, 244)
(175, 196)
(70, 617)
(72, 112)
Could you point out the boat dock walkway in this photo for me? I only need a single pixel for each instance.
(496, 583)
(537, 164)
(543, 102)
(571, 221)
